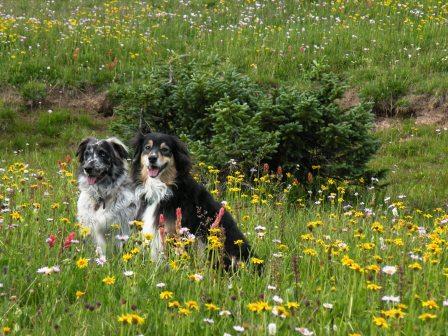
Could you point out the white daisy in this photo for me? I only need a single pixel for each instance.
(390, 270)
(238, 328)
(328, 305)
(304, 331)
(390, 298)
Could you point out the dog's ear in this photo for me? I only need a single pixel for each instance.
(119, 147)
(144, 127)
(137, 144)
(82, 148)
(181, 157)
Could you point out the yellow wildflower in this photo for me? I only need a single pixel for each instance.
(431, 304)
(184, 311)
(374, 287)
(16, 216)
(126, 257)
(292, 305)
(393, 313)
(79, 294)
(415, 266)
(427, 316)
(239, 242)
(82, 263)
(211, 307)
(380, 322)
(109, 280)
(256, 261)
(131, 319)
(192, 305)
(165, 295)
(173, 304)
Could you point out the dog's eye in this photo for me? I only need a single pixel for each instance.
(147, 147)
(102, 154)
(164, 151)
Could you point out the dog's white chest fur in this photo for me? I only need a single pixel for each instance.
(118, 207)
(87, 214)
(98, 219)
(154, 191)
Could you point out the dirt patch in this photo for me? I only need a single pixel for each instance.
(426, 109)
(10, 96)
(88, 101)
(349, 99)
(384, 123)
(430, 110)
(75, 100)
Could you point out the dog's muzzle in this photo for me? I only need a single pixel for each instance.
(93, 175)
(154, 170)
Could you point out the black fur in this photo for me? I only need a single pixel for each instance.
(199, 209)
(82, 148)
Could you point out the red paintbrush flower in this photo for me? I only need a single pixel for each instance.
(162, 228)
(51, 240)
(266, 168)
(218, 218)
(68, 241)
(178, 219)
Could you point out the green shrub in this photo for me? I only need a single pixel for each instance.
(237, 134)
(34, 93)
(314, 131)
(224, 115)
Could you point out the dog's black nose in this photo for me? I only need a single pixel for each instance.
(88, 170)
(153, 159)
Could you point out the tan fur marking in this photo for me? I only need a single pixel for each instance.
(144, 170)
(169, 174)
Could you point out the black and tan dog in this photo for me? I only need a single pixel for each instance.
(161, 171)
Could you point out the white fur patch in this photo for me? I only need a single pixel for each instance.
(154, 191)
(118, 142)
(150, 227)
(119, 208)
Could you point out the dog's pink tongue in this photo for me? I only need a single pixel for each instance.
(153, 172)
(91, 180)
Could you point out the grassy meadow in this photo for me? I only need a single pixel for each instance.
(385, 48)
(340, 261)
(333, 263)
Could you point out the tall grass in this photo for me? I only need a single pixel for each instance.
(415, 157)
(324, 265)
(85, 43)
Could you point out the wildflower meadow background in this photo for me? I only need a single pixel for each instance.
(352, 254)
